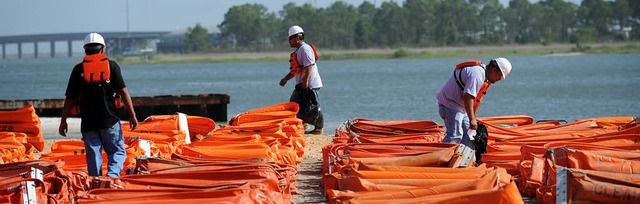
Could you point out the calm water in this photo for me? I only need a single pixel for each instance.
(545, 87)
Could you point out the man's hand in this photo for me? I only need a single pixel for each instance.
(62, 130)
(473, 124)
(133, 123)
(283, 82)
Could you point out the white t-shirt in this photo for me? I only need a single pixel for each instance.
(451, 96)
(306, 58)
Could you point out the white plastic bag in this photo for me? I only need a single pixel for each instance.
(472, 134)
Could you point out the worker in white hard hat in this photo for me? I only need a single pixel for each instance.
(303, 67)
(460, 97)
(95, 91)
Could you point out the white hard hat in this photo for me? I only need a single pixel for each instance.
(94, 38)
(295, 30)
(504, 65)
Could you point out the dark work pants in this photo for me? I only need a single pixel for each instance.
(317, 120)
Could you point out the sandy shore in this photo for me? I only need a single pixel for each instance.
(49, 127)
(309, 176)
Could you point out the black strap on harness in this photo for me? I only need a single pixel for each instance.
(459, 78)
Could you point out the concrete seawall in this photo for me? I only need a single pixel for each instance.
(213, 106)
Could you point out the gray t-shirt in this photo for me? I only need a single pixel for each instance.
(451, 96)
(306, 57)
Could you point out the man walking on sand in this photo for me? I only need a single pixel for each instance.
(303, 66)
(97, 85)
(459, 99)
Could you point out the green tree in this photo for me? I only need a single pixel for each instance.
(340, 20)
(594, 14)
(249, 25)
(271, 27)
(558, 19)
(365, 30)
(420, 18)
(622, 17)
(635, 19)
(490, 21)
(307, 17)
(457, 22)
(583, 34)
(519, 19)
(433, 22)
(390, 23)
(197, 39)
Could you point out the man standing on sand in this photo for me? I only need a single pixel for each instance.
(459, 99)
(97, 85)
(308, 82)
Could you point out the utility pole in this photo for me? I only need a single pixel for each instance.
(128, 34)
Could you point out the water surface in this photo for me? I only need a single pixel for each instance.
(545, 87)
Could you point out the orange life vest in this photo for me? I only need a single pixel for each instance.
(485, 86)
(96, 68)
(294, 66)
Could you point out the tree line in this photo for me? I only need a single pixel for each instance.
(423, 23)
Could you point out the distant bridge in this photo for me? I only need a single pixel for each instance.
(118, 43)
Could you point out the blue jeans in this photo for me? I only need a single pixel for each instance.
(112, 140)
(456, 124)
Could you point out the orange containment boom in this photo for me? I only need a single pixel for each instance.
(23, 120)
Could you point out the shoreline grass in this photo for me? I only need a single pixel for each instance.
(391, 53)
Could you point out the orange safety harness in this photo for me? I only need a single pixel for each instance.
(485, 86)
(294, 66)
(95, 70)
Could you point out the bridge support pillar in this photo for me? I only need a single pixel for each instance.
(4, 51)
(53, 49)
(19, 50)
(70, 52)
(35, 49)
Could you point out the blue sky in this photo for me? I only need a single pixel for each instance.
(24, 17)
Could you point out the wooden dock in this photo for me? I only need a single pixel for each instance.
(213, 106)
